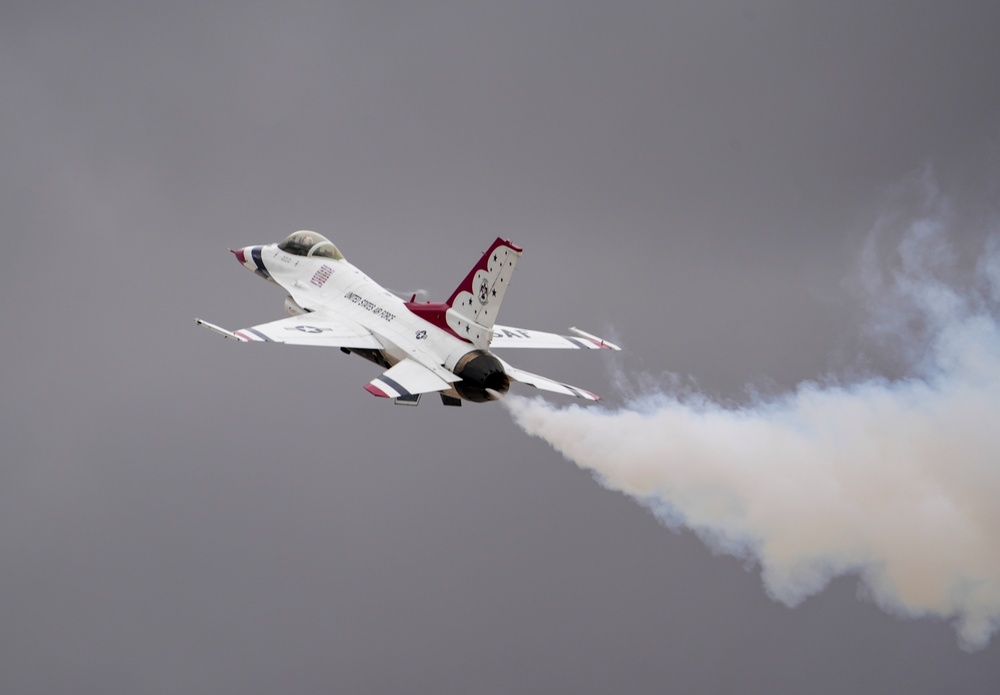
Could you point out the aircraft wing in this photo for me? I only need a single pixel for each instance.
(407, 378)
(541, 382)
(509, 337)
(314, 328)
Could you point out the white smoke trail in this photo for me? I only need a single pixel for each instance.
(897, 482)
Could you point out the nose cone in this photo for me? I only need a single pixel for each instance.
(250, 258)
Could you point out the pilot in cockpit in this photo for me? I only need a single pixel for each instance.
(307, 243)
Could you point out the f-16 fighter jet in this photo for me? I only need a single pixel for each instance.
(425, 347)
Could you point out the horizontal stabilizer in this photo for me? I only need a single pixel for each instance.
(407, 378)
(509, 337)
(545, 384)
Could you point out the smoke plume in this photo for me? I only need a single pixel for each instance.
(896, 481)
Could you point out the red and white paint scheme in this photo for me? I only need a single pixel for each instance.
(424, 347)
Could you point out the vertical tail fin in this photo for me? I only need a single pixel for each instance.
(474, 305)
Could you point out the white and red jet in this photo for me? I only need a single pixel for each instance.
(424, 346)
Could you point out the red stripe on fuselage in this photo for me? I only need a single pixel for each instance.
(434, 314)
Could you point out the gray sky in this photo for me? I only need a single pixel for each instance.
(697, 180)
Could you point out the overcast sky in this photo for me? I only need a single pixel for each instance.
(696, 180)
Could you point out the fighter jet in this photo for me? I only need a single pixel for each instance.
(425, 347)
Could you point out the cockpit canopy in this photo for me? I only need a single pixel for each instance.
(310, 244)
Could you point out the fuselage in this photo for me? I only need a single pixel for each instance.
(417, 331)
